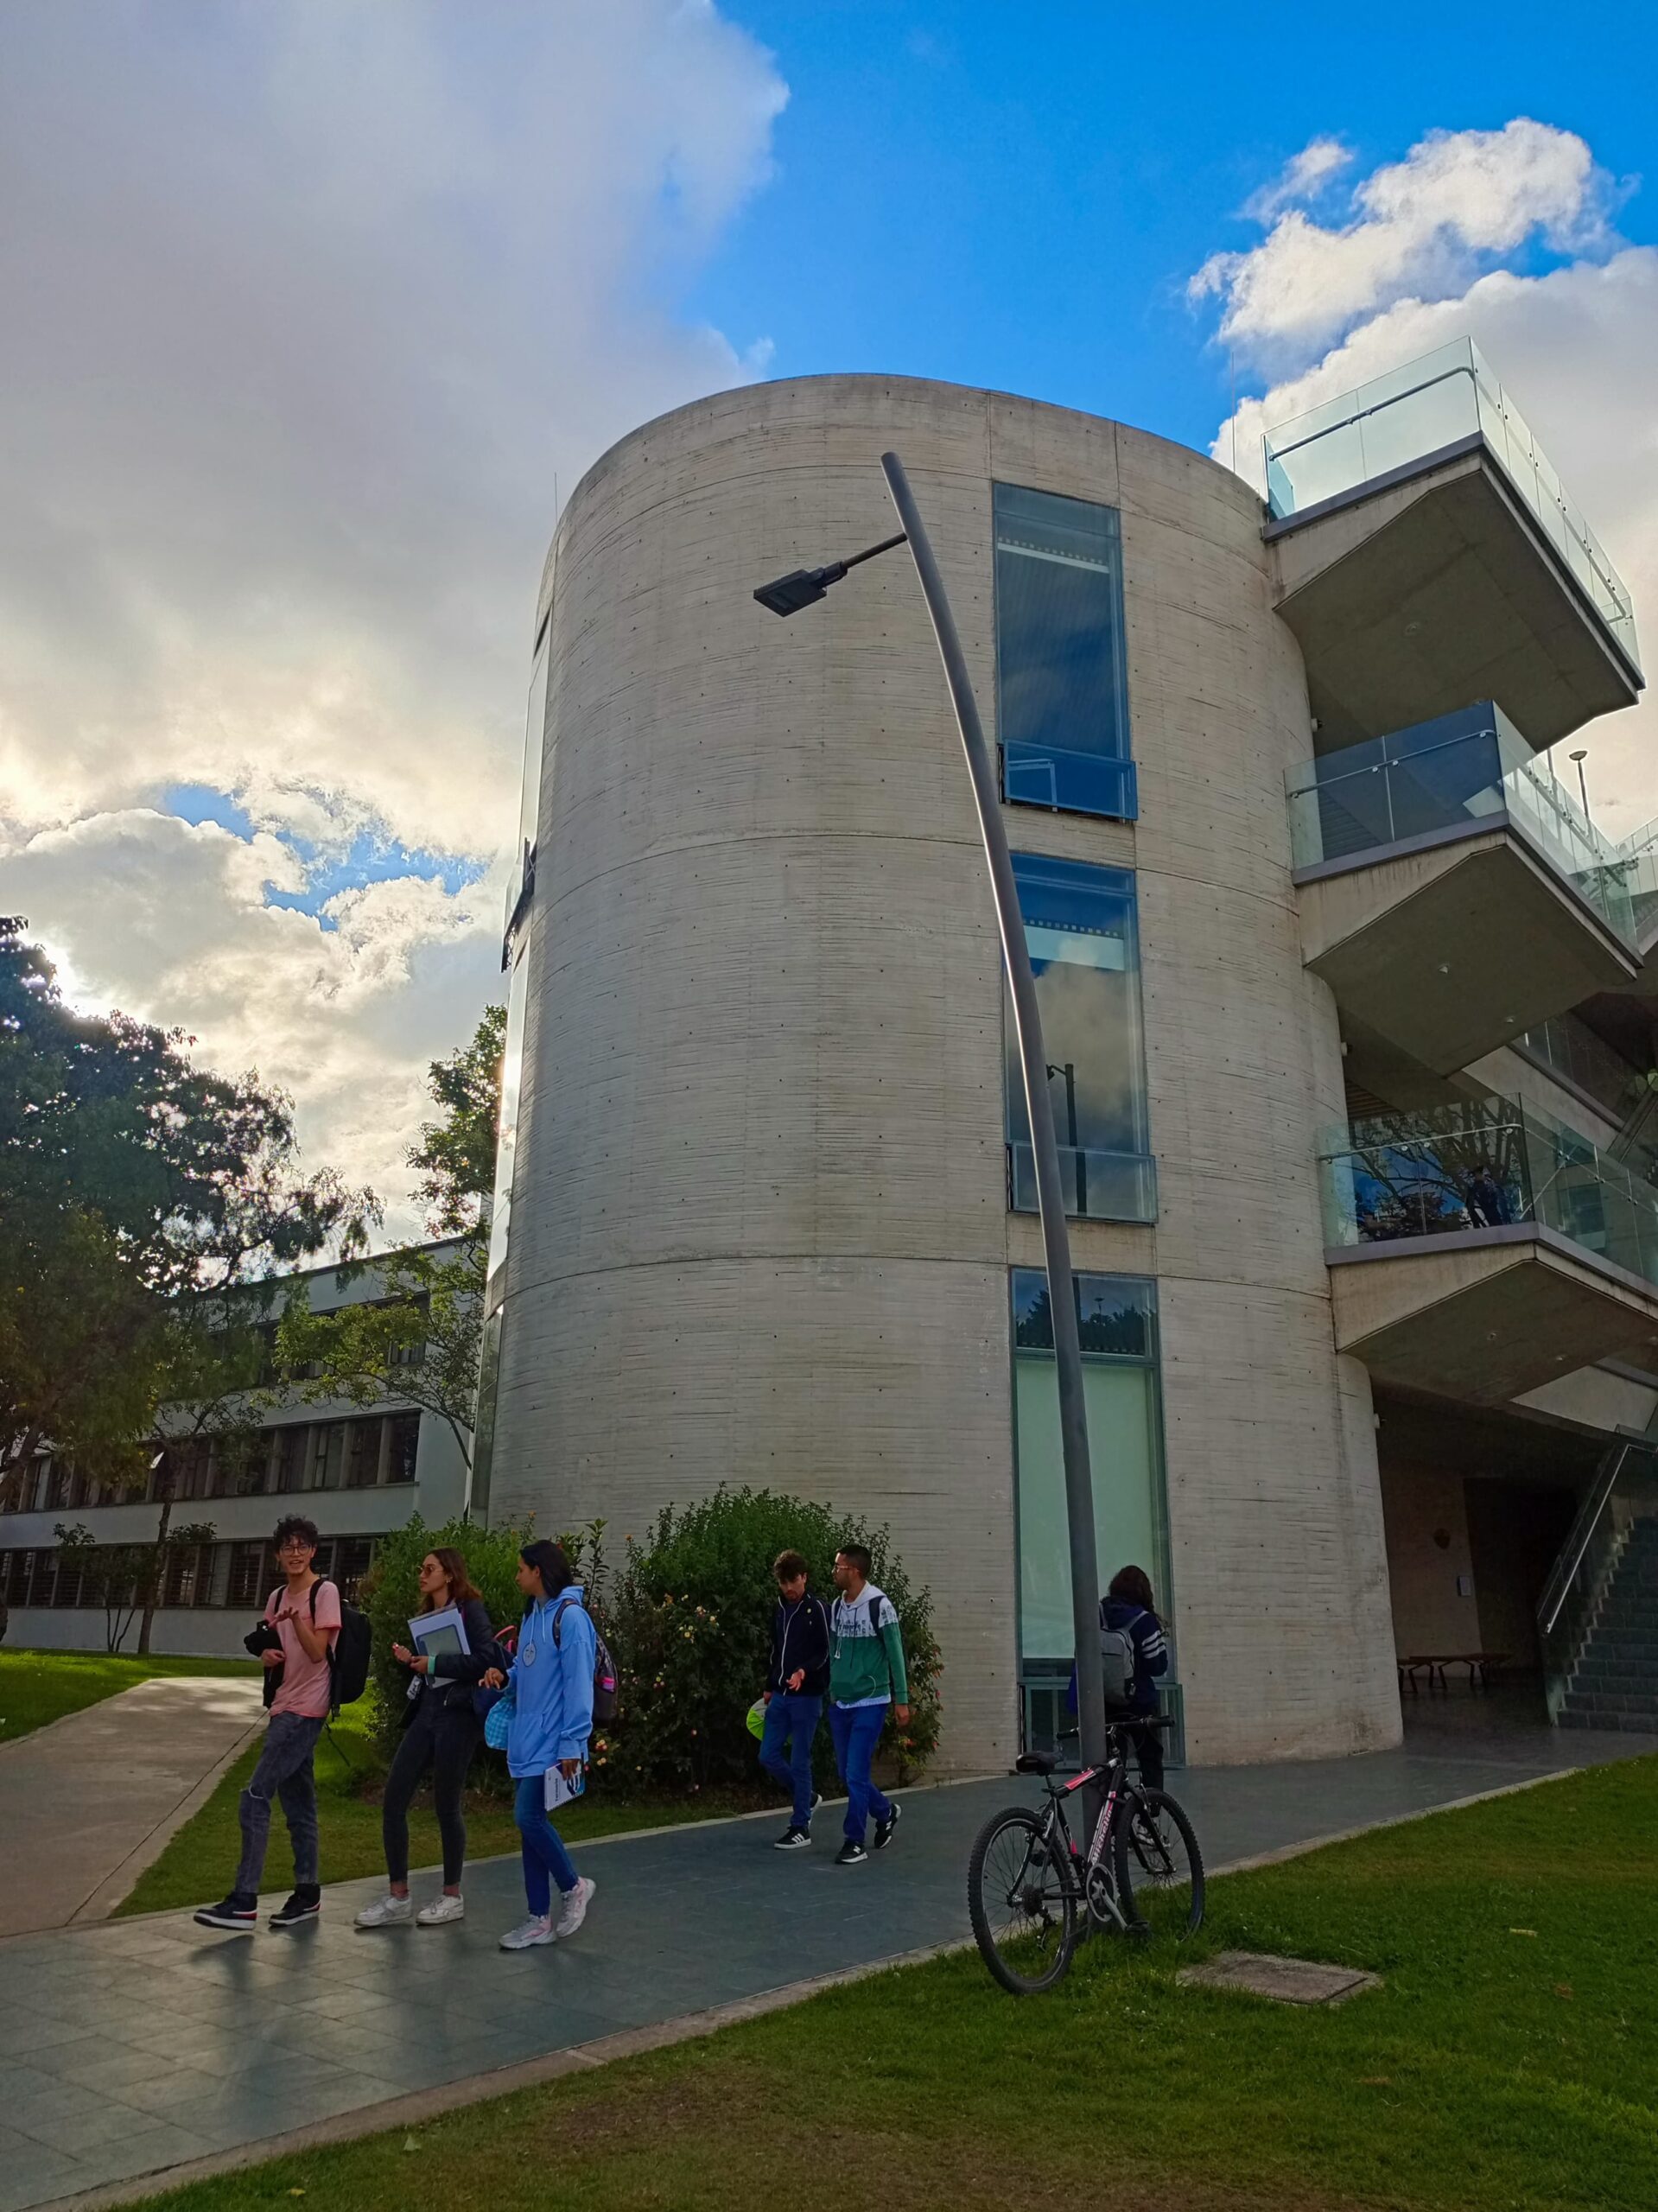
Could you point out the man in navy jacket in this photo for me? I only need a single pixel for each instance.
(795, 1685)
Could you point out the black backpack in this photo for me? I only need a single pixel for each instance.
(604, 1668)
(349, 1658)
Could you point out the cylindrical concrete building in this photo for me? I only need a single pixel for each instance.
(771, 1213)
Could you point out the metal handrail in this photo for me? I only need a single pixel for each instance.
(1580, 1535)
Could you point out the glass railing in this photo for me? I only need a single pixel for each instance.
(1469, 770)
(1567, 1046)
(1416, 410)
(1483, 1163)
(1098, 1186)
(1641, 853)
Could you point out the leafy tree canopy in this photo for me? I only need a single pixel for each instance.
(136, 1190)
(420, 1342)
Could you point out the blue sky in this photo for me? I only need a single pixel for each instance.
(1015, 195)
(315, 302)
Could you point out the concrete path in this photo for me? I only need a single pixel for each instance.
(87, 1803)
(137, 2046)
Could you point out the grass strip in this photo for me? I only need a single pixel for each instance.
(1510, 2063)
(37, 1687)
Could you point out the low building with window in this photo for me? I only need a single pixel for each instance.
(357, 1473)
(1348, 1010)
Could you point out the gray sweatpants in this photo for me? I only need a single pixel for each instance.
(284, 1771)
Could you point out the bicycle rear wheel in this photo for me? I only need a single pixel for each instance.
(1159, 1868)
(1021, 1902)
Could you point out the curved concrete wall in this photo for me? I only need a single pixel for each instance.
(759, 1231)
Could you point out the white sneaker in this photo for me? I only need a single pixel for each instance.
(442, 1909)
(386, 1912)
(525, 1937)
(577, 1902)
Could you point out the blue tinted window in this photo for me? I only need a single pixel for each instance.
(1079, 928)
(1062, 698)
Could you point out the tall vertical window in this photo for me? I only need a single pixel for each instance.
(1061, 696)
(1117, 1318)
(1079, 927)
(507, 1144)
(521, 881)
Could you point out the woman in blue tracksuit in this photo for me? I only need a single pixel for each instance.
(551, 1682)
(1129, 1607)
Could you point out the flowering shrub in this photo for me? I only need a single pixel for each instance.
(689, 1620)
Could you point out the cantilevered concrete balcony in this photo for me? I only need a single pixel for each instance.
(1428, 554)
(1482, 1250)
(1453, 894)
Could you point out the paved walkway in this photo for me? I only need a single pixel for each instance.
(87, 1803)
(134, 2046)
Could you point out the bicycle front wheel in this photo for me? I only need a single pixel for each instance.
(1021, 1902)
(1159, 1868)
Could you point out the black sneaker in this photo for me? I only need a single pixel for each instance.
(850, 1855)
(793, 1839)
(240, 1915)
(304, 1906)
(884, 1829)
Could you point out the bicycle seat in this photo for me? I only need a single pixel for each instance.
(1035, 1763)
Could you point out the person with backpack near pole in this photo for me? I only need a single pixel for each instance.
(1135, 1652)
(867, 1676)
(551, 1687)
(296, 1640)
(442, 1732)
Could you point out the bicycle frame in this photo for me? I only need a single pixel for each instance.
(1114, 1776)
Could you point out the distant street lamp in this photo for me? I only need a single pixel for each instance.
(804, 587)
(1580, 756)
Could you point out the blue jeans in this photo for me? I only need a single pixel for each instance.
(793, 1718)
(284, 1771)
(856, 1730)
(543, 1850)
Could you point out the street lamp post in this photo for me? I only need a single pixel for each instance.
(786, 596)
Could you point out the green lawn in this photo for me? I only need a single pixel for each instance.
(36, 1687)
(1510, 2063)
(197, 1864)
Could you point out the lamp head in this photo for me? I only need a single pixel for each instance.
(800, 588)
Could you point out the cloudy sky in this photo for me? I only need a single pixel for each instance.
(313, 306)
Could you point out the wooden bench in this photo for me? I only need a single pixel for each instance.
(1481, 1666)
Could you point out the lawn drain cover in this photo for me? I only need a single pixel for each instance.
(1288, 1982)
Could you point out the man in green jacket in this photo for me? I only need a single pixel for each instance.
(865, 1676)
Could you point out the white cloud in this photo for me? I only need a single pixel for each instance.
(1425, 225)
(305, 309)
(1574, 345)
(1302, 178)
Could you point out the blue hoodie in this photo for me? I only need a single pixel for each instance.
(552, 1686)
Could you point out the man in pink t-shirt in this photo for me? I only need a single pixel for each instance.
(296, 1637)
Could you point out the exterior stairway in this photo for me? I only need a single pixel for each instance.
(1614, 1681)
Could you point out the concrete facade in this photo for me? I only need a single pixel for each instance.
(760, 1227)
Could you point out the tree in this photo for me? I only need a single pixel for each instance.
(420, 1342)
(123, 1577)
(136, 1192)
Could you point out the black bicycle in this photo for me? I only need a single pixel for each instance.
(1032, 1895)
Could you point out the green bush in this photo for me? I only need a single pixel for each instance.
(689, 1620)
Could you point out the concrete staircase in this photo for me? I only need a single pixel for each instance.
(1614, 1682)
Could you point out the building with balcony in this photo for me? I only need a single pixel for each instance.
(360, 1473)
(1345, 1012)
